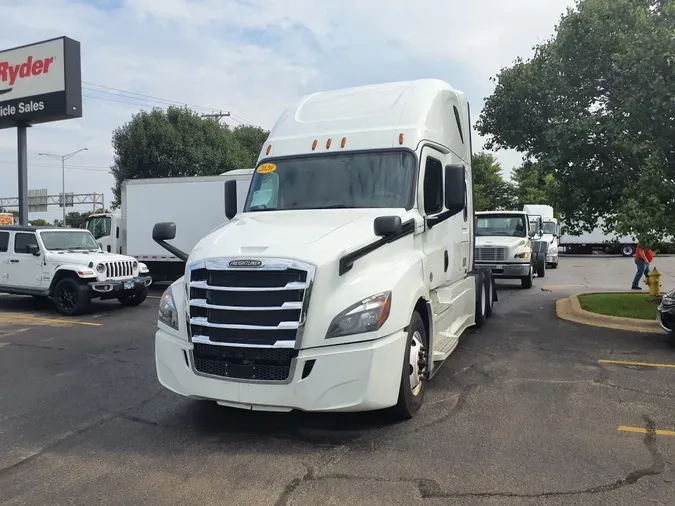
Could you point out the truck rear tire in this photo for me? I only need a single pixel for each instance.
(481, 302)
(413, 372)
(526, 282)
(627, 250)
(489, 291)
(70, 297)
(541, 266)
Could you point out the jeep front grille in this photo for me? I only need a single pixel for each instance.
(247, 308)
(119, 269)
(487, 254)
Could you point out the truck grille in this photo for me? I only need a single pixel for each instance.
(119, 269)
(243, 318)
(486, 254)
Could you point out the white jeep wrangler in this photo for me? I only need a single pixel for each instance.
(68, 266)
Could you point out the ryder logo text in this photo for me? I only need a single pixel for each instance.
(11, 74)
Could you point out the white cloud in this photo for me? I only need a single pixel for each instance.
(254, 58)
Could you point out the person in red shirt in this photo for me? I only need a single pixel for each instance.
(643, 257)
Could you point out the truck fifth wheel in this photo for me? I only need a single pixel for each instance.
(348, 278)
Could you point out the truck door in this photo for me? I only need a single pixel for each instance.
(25, 268)
(4, 258)
(437, 256)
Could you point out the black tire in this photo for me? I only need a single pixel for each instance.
(409, 403)
(489, 290)
(554, 266)
(134, 298)
(627, 250)
(481, 302)
(526, 281)
(541, 266)
(70, 297)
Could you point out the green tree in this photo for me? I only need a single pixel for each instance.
(596, 103)
(177, 142)
(490, 191)
(38, 223)
(251, 140)
(532, 184)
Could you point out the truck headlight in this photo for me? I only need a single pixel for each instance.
(367, 315)
(522, 254)
(168, 314)
(553, 249)
(142, 268)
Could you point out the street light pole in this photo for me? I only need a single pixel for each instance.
(63, 175)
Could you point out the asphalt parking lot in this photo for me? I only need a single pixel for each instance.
(530, 410)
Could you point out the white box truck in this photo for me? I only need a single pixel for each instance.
(596, 239)
(550, 231)
(349, 277)
(194, 203)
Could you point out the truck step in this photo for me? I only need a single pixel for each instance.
(444, 345)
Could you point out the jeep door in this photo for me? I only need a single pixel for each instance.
(25, 269)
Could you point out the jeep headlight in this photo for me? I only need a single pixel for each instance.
(100, 268)
(522, 254)
(168, 314)
(367, 315)
(134, 264)
(142, 268)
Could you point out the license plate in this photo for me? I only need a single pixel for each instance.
(128, 285)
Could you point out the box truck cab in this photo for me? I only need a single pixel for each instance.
(505, 244)
(549, 232)
(349, 277)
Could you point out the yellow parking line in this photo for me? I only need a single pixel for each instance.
(19, 318)
(642, 430)
(641, 364)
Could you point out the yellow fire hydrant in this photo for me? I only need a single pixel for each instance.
(654, 282)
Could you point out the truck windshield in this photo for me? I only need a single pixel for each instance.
(347, 180)
(512, 225)
(99, 226)
(74, 240)
(549, 227)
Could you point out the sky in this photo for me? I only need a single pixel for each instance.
(252, 58)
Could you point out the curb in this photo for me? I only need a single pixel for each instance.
(569, 309)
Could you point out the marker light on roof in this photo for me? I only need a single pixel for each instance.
(269, 148)
(343, 142)
(328, 143)
(314, 145)
(401, 138)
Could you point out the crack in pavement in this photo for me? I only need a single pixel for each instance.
(431, 489)
(111, 415)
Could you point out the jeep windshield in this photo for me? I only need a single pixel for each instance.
(508, 225)
(382, 179)
(69, 241)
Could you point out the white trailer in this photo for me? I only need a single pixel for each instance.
(349, 277)
(597, 239)
(195, 203)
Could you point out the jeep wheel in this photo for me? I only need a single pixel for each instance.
(134, 298)
(413, 374)
(70, 297)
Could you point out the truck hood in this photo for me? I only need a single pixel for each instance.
(315, 236)
(508, 242)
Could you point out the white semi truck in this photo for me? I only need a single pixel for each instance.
(349, 277)
(195, 204)
(550, 231)
(505, 244)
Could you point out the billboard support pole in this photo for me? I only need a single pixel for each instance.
(22, 152)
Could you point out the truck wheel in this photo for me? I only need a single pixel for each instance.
(541, 266)
(489, 292)
(481, 303)
(135, 298)
(413, 375)
(70, 297)
(526, 282)
(554, 265)
(627, 250)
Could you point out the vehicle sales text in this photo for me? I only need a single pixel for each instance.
(21, 108)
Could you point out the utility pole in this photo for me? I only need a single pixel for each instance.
(63, 159)
(218, 116)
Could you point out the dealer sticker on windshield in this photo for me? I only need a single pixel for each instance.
(266, 168)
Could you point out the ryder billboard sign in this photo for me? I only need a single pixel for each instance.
(40, 82)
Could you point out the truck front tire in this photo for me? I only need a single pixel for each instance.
(526, 281)
(70, 297)
(415, 365)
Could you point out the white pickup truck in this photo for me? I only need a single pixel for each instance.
(505, 245)
(68, 266)
(349, 276)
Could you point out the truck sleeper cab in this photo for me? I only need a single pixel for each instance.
(349, 276)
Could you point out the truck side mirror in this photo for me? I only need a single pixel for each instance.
(230, 198)
(164, 231)
(386, 226)
(455, 188)
(532, 233)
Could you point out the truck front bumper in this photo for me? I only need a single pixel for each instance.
(111, 288)
(551, 258)
(350, 377)
(510, 270)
